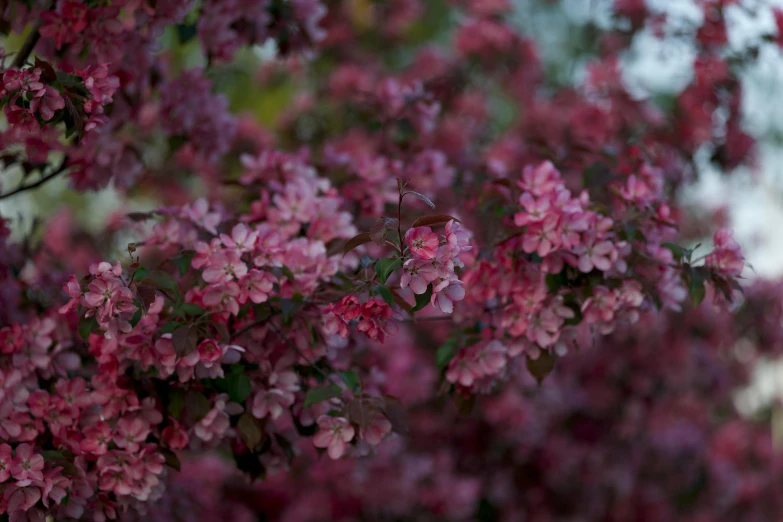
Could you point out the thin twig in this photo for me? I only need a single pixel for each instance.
(59, 170)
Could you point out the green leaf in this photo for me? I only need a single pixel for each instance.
(171, 460)
(140, 274)
(555, 281)
(176, 404)
(164, 280)
(350, 379)
(170, 327)
(385, 267)
(316, 395)
(238, 387)
(422, 300)
(183, 260)
(136, 317)
(185, 32)
(386, 294)
(290, 306)
(677, 251)
(445, 353)
(52, 455)
(697, 277)
(543, 366)
(287, 272)
(87, 325)
(192, 309)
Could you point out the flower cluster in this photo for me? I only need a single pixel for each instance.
(297, 270)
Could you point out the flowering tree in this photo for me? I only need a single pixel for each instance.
(418, 225)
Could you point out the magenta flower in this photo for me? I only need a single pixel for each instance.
(46, 102)
(333, 434)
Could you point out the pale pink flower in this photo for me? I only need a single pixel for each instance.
(242, 239)
(446, 294)
(333, 433)
(418, 274)
(223, 267)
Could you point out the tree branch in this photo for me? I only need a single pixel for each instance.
(22, 188)
(29, 44)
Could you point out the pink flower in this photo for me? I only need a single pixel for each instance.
(418, 274)
(491, 359)
(174, 436)
(333, 433)
(223, 267)
(6, 461)
(463, 370)
(46, 102)
(256, 286)
(535, 209)
(542, 237)
(27, 466)
(457, 238)
(24, 81)
(66, 23)
(96, 439)
(241, 239)
(130, 432)
(727, 255)
(446, 294)
(375, 432)
(540, 180)
(594, 253)
(74, 290)
(423, 242)
(223, 296)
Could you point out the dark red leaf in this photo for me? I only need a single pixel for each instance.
(184, 339)
(543, 366)
(146, 294)
(395, 412)
(47, 71)
(435, 219)
(356, 241)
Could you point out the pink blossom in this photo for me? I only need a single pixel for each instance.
(241, 239)
(333, 433)
(377, 430)
(594, 253)
(6, 462)
(46, 102)
(223, 267)
(446, 293)
(27, 466)
(423, 242)
(417, 274)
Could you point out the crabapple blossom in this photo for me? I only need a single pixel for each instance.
(333, 434)
(280, 286)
